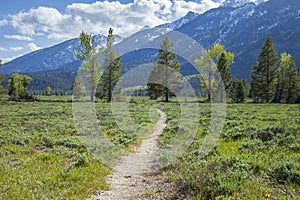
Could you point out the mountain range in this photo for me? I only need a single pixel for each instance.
(241, 25)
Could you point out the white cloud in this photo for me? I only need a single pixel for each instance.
(32, 47)
(28, 48)
(3, 49)
(97, 17)
(15, 49)
(3, 22)
(5, 60)
(18, 37)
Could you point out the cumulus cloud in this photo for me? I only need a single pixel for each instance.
(29, 47)
(97, 17)
(18, 37)
(15, 49)
(32, 47)
(3, 22)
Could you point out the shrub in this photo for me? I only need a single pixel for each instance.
(285, 172)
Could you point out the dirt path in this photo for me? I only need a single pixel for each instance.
(131, 179)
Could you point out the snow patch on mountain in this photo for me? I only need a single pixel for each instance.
(239, 3)
(180, 22)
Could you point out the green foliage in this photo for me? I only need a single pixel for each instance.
(256, 156)
(226, 78)
(164, 75)
(85, 49)
(90, 64)
(263, 77)
(1, 87)
(42, 157)
(17, 86)
(78, 88)
(59, 81)
(48, 91)
(208, 180)
(239, 91)
(112, 70)
(287, 87)
(209, 69)
(287, 171)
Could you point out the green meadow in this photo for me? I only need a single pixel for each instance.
(256, 155)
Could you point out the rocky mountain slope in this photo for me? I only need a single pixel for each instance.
(239, 25)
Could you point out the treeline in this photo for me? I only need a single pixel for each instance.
(61, 82)
(17, 87)
(275, 79)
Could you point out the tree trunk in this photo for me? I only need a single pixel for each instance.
(167, 94)
(93, 94)
(166, 89)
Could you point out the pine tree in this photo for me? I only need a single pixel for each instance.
(78, 88)
(263, 77)
(223, 68)
(163, 76)
(289, 78)
(90, 64)
(238, 93)
(154, 88)
(112, 68)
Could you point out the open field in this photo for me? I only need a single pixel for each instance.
(256, 156)
(42, 156)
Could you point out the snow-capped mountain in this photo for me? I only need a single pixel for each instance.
(241, 29)
(180, 22)
(61, 56)
(239, 3)
(57, 57)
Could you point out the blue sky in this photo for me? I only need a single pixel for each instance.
(29, 25)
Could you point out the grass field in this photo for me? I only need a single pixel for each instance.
(256, 157)
(42, 155)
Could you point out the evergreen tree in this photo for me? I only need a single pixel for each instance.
(163, 76)
(154, 88)
(112, 68)
(90, 64)
(238, 93)
(264, 73)
(289, 78)
(223, 68)
(78, 88)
